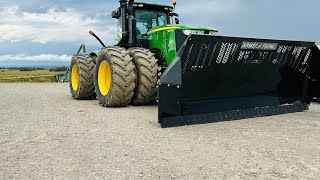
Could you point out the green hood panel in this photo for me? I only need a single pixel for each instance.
(180, 27)
(163, 39)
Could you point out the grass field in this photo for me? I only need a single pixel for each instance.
(8, 76)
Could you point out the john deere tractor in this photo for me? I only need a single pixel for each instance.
(149, 35)
(197, 76)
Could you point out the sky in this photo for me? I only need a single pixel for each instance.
(52, 30)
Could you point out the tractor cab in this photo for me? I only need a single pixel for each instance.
(136, 19)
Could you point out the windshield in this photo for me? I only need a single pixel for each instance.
(148, 19)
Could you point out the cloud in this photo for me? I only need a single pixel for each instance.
(53, 25)
(211, 7)
(42, 57)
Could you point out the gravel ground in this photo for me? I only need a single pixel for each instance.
(44, 134)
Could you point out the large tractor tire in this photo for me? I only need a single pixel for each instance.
(147, 71)
(82, 77)
(115, 77)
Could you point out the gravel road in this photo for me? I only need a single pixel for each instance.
(44, 134)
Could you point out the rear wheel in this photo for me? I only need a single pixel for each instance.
(82, 77)
(147, 70)
(115, 77)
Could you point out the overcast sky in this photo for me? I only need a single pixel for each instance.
(43, 30)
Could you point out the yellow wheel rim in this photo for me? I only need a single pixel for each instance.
(74, 77)
(104, 78)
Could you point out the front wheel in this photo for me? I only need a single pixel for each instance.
(115, 77)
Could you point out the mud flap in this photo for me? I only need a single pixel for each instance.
(216, 78)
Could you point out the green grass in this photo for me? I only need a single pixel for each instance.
(12, 76)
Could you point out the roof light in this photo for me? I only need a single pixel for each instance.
(174, 2)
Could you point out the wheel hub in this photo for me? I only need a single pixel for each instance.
(104, 78)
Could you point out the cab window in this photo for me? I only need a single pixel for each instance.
(148, 19)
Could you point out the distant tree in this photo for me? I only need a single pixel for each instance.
(27, 69)
(59, 69)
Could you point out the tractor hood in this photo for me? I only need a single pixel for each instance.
(180, 27)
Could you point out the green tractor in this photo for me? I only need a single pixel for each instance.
(148, 38)
(196, 75)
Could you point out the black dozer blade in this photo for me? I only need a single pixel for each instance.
(217, 78)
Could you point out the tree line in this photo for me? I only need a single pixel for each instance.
(57, 69)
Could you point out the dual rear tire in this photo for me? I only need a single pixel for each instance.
(120, 77)
(147, 76)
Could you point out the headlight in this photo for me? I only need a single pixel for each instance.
(213, 33)
(188, 32)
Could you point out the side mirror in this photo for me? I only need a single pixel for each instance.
(116, 14)
(177, 20)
